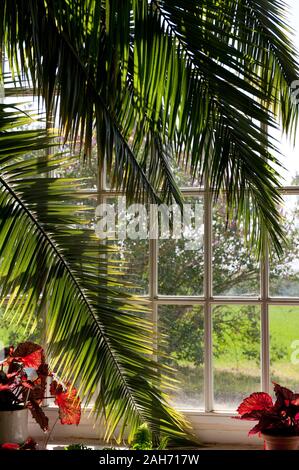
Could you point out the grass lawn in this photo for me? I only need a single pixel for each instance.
(235, 376)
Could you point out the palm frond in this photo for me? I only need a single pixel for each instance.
(207, 77)
(52, 261)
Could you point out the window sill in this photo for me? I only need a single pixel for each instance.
(214, 429)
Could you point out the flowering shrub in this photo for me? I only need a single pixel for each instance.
(23, 379)
(280, 417)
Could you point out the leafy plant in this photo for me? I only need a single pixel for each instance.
(77, 447)
(279, 418)
(54, 267)
(200, 97)
(23, 380)
(143, 440)
(167, 84)
(29, 444)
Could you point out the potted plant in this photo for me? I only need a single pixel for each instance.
(278, 422)
(23, 379)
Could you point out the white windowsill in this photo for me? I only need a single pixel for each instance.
(217, 429)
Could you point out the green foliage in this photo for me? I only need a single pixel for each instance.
(53, 268)
(142, 439)
(77, 447)
(167, 84)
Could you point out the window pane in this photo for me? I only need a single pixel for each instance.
(130, 258)
(236, 354)
(181, 261)
(284, 346)
(181, 175)
(27, 330)
(284, 272)
(287, 155)
(235, 270)
(183, 346)
(288, 152)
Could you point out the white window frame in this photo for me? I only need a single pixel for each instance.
(209, 424)
(208, 300)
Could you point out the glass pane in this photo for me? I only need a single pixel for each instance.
(289, 152)
(13, 334)
(284, 346)
(80, 169)
(284, 272)
(235, 270)
(236, 354)
(181, 175)
(183, 346)
(131, 259)
(287, 155)
(181, 261)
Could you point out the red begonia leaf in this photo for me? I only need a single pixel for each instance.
(55, 388)
(267, 422)
(10, 446)
(4, 387)
(68, 402)
(255, 402)
(255, 430)
(30, 354)
(295, 400)
(29, 444)
(38, 415)
(39, 391)
(284, 395)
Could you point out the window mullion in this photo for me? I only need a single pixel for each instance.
(208, 364)
(265, 339)
(153, 279)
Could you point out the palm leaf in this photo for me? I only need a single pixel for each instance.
(51, 261)
(207, 77)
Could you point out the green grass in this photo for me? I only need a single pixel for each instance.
(284, 329)
(284, 326)
(235, 376)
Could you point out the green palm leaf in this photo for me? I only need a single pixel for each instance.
(52, 262)
(207, 77)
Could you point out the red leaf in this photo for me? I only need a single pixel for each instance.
(38, 415)
(55, 388)
(4, 387)
(30, 354)
(295, 400)
(10, 446)
(283, 393)
(68, 402)
(267, 422)
(255, 430)
(29, 444)
(38, 393)
(255, 402)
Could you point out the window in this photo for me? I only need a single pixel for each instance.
(228, 323)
